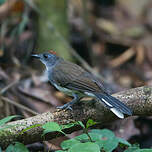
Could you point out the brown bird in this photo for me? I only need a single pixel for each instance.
(77, 82)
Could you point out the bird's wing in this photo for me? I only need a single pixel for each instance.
(72, 76)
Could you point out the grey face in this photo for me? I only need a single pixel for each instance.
(47, 59)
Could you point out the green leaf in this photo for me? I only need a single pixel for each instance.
(68, 125)
(95, 136)
(72, 124)
(7, 119)
(50, 127)
(69, 143)
(104, 132)
(123, 141)
(85, 138)
(81, 124)
(85, 147)
(10, 148)
(60, 151)
(2, 1)
(31, 127)
(133, 148)
(108, 141)
(107, 145)
(90, 123)
(18, 147)
(82, 137)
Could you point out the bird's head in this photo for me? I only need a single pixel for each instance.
(48, 58)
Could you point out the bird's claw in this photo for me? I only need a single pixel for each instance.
(65, 107)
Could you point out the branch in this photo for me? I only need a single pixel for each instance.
(139, 99)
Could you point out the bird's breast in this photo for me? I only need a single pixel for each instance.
(64, 90)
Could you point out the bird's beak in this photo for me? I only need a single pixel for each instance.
(37, 56)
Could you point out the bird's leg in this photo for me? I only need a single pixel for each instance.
(69, 104)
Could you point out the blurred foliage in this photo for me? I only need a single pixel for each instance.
(53, 29)
(2, 1)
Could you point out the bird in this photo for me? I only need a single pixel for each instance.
(77, 82)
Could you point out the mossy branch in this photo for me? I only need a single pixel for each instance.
(139, 99)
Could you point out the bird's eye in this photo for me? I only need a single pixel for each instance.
(45, 56)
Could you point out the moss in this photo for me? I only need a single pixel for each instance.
(147, 92)
(5, 141)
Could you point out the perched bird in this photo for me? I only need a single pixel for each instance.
(77, 82)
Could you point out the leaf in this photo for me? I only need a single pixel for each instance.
(6, 119)
(69, 143)
(68, 125)
(85, 147)
(31, 127)
(81, 124)
(85, 138)
(123, 141)
(133, 148)
(10, 148)
(90, 123)
(108, 141)
(107, 145)
(95, 136)
(2, 1)
(18, 147)
(72, 124)
(50, 127)
(104, 132)
(82, 137)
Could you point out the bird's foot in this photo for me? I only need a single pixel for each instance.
(69, 104)
(65, 106)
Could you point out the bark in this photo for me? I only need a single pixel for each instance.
(139, 99)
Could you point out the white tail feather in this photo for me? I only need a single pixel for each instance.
(117, 113)
(106, 102)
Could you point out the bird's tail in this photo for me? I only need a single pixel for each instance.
(116, 106)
